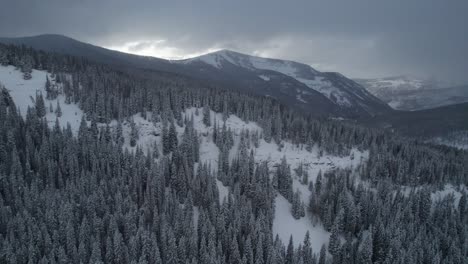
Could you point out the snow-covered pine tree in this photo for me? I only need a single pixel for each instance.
(40, 106)
(134, 135)
(58, 109)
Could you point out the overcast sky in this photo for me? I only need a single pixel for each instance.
(359, 38)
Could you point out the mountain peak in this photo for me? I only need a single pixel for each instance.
(293, 82)
(337, 88)
(42, 38)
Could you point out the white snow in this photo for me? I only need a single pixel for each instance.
(289, 68)
(317, 83)
(395, 104)
(457, 139)
(215, 59)
(24, 92)
(449, 189)
(299, 98)
(395, 84)
(223, 191)
(321, 85)
(285, 67)
(285, 226)
(311, 161)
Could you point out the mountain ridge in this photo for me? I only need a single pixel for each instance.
(336, 87)
(410, 93)
(295, 84)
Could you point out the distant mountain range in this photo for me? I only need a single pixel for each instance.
(324, 94)
(409, 93)
(281, 78)
(295, 84)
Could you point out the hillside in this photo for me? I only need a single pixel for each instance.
(434, 122)
(344, 93)
(409, 93)
(101, 164)
(295, 84)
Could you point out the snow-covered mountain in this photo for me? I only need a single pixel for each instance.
(411, 93)
(23, 92)
(188, 174)
(292, 78)
(294, 84)
(395, 84)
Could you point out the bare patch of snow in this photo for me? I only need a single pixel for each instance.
(284, 225)
(394, 104)
(23, 92)
(449, 189)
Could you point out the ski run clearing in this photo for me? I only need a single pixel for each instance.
(24, 92)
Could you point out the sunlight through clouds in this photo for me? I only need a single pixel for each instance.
(158, 48)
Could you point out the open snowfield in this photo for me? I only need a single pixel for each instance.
(24, 92)
(285, 226)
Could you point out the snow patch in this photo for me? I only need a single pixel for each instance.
(284, 225)
(449, 189)
(22, 91)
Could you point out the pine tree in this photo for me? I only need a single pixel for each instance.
(334, 244)
(318, 183)
(172, 137)
(365, 252)
(118, 136)
(323, 255)
(306, 253)
(297, 208)
(58, 109)
(206, 116)
(462, 206)
(290, 252)
(26, 67)
(40, 106)
(133, 133)
(284, 180)
(96, 256)
(48, 89)
(3, 57)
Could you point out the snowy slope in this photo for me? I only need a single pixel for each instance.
(341, 91)
(455, 192)
(295, 70)
(150, 133)
(394, 84)
(24, 92)
(294, 84)
(457, 139)
(411, 93)
(284, 224)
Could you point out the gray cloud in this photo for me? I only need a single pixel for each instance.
(360, 38)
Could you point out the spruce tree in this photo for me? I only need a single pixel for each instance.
(134, 135)
(40, 106)
(58, 109)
